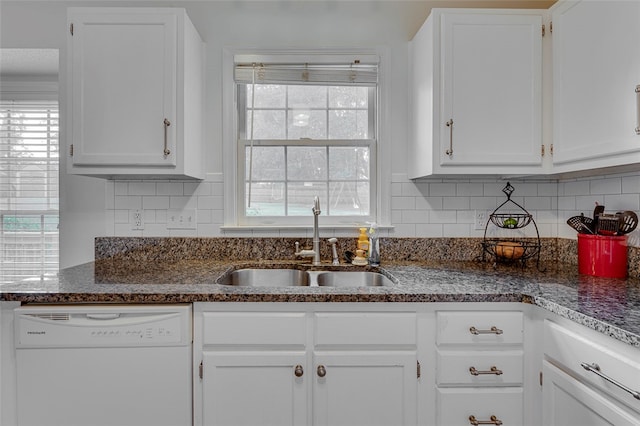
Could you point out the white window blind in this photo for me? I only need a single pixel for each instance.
(29, 210)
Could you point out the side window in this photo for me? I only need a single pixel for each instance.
(29, 160)
(303, 130)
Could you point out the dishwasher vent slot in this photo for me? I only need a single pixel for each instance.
(53, 316)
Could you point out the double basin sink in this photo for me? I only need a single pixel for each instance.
(291, 277)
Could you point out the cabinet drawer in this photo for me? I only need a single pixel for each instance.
(569, 349)
(479, 327)
(454, 368)
(455, 406)
(366, 328)
(254, 328)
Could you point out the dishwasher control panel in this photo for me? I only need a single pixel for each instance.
(102, 326)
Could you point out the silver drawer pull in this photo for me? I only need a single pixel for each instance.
(638, 108)
(595, 368)
(493, 370)
(492, 330)
(167, 151)
(449, 124)
(493, 420)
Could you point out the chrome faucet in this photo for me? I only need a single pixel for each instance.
(315, 252)
(316, 232)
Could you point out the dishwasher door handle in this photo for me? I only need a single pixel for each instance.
(105, 316)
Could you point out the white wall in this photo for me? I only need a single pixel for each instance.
(430, 208)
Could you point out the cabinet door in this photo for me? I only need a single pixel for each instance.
(491, 90)
(123, 85)
(596, 68)
(254, 388)
(566, 401)
(365, 388)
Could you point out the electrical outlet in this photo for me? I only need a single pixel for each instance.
(137, 220)
(181, 219)
(480, 218)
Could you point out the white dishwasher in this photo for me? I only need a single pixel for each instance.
(103, 365)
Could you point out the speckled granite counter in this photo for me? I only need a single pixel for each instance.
(609, 306)
(148, 270)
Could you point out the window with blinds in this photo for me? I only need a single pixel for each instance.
(29, 210)
(306, 127)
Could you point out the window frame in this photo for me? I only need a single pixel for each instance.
(234, 217)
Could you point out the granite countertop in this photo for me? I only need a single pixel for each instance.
(610, 306)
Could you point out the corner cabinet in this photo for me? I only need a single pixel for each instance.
(135, 93)
(476, 93)
(596, 78)
(588, 378)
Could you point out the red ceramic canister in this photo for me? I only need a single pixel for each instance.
(602, 255)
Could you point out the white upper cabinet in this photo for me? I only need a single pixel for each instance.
(596, 69)
(135, 93)
(476, 93)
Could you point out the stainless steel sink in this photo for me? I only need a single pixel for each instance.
(266, 278)
(286, 277)
(352, 279)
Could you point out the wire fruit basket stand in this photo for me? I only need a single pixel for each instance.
(511, 216)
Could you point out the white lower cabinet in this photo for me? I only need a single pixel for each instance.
(567, 401)
(254, 387)
(297, 364)
(364, 388)
(588, 378)
(479, 367)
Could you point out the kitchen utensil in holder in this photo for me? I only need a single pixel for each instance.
(511, 249)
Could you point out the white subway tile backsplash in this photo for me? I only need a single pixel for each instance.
(433, 207)
(415, 216)
(170, 188)
(210, 202)
(155, 202)
(455, 203)
(403, 203)
(630, 184)
(429, 203)
(407, 230)
(606, 186)
(430, 230)
(537, 203)
(443, 216)
(620, 202)
(127, 202)
(121, 188)
(468, 189)
(183, 202)
(442, 189)
(142, 188)
(457, 230)
(574, 188)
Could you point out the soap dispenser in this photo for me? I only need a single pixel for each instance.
(362, 248)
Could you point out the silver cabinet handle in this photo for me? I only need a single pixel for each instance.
(493, 370)
(638, 108)
(492, 330)
(493, 420)
(322, 371)
(595, 368)
(167, 123)
(449, 124)
(299, 371)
